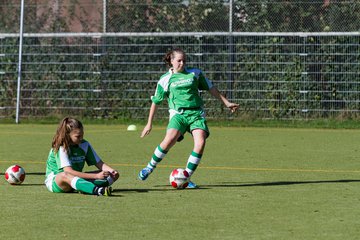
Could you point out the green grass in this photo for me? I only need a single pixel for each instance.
(255, 183)
(320, 123)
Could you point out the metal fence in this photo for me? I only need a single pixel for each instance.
(108, 71)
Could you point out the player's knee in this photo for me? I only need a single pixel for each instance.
(168, 142)
(65, 177)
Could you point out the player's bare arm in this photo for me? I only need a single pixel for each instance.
(147, 129)
(98, 175)
(106, 168)
(215, 92)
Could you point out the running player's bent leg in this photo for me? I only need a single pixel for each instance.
(159, 153)
(176, 128)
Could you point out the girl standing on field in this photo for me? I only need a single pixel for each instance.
(68, 155)
(181, 85)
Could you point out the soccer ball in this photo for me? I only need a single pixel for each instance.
(15, 175)
(179, 178)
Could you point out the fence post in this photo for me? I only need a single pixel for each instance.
(231, 52)
(104, 15)
(20, 61)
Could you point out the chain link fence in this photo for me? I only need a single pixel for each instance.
(277, 59)
(55, 16)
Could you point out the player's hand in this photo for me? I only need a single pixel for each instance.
(233, 107)
(146, 130)
(102, 174)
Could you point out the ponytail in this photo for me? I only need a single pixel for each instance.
(62, 135)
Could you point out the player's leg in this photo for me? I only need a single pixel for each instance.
(175, 129)
(199, 136)
(102, 182)
(160, 152)
(200, 132)
(67, 182)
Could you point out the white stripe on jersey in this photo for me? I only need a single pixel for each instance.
(64, 158)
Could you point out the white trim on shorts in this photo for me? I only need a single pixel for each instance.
(49, 181)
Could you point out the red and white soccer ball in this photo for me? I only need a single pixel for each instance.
(15, 175)
(179, 178)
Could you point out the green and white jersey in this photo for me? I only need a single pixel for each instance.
(181, 89)
(76, 158)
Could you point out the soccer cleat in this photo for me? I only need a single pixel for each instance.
(144, 174)
(108, 191)
(192, 185)
(104, 191)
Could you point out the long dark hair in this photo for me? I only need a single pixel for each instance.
(62, 135)
(170, 55)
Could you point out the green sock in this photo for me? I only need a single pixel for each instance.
(82, 185)
(156, 158)
(101, 182)
(104, 182)
(193, 162)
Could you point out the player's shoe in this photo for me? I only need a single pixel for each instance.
(144, 173)
(192, 185)
(108, 191)
(103, 191)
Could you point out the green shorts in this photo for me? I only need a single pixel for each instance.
(52, 185)
(189, 120)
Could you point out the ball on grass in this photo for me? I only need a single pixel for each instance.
(131, 128)
(15, 175)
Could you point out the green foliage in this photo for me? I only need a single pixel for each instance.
(183, 16)
(296, 16)
(113, 77)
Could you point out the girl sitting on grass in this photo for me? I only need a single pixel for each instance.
(68, 155)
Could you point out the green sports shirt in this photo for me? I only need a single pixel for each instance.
(76, 158)
(181, 89)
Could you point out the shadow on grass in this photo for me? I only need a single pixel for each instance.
(30, 173)
(30, 184)
(141, 190)
(158, 188)
(166, 188)
(279, 183)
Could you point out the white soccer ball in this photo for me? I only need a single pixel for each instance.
(179, 178)
(15, 175)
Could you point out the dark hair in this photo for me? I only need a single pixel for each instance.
(62, 135)
(170, 55)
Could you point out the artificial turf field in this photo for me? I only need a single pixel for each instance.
(255, 183)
